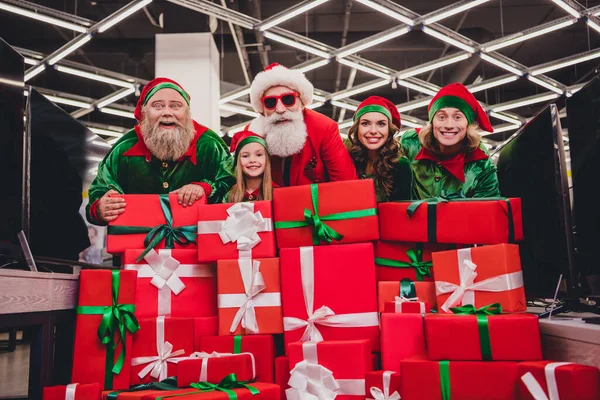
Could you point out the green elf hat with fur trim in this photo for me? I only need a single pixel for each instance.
(456, 95)
(240, 139)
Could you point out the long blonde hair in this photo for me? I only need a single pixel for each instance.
(470, 142)
(237, 192)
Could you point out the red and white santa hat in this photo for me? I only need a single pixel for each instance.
(278, 75)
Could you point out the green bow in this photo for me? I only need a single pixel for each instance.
(321, 231)
(227, 386)
(443, 197)
(119, 317)
(482, 324)
(182, 235)
(166, 384)
(422, 268)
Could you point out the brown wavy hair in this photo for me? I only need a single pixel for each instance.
(237, 192)
(384, 165)
(469, 143)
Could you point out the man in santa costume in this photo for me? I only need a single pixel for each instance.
(167, 152)
(305, 146)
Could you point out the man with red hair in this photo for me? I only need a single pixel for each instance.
(167, 152)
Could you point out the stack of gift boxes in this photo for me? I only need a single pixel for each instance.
(423, 300)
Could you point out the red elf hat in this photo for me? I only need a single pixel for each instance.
(456, 95)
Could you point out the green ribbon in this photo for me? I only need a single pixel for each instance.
(422, 268)
(182, 235)
(445, 197)
(482, 324)
(227, 386)
(119, 317)
(321, 231)
(166, 384)
(407, 289)
(237, 344)
(445, 379)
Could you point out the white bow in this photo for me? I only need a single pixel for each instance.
(398, 301)
(242, 226)
(165, 268)
(534, 387)
(311, 382)
(254, 283)
(206, 356)
(378, 394)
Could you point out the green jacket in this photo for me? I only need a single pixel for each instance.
(129, 168)
(430, 177)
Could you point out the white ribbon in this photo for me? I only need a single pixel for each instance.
(157, 365)
(241, 226)
(398, 301)
(166, 272)
(324, 315)
(206, 356)
(465, 292)
(70, 393)
(378, 394)
(534, 387)
(254, 284)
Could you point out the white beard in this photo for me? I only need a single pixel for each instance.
(284, 139)
(168, 144)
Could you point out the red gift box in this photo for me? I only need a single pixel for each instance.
(147, 211)
(402, 305)
(172, 283)
(402, 338)
(231, 231)
(74, 391)
(567, 381)
(92, 360)
(481, 221)
(338, 206)
(391, 291)
(345, 361)
(249, 296)
(382, 385)
(339, 283)
(207, 326)
(149, 394)
(396, 261)
(157, 347)
(512, 337)
(480, 276)
(267, 391)
(261, 346)
(282, 373)
(205, 367)
(426, 380)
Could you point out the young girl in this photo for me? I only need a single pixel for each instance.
(252, 169)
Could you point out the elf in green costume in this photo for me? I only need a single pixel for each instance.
(376, 152)
(167, 152)
(447, 154)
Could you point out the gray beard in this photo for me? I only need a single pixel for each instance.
(287, 138)
(168, 144)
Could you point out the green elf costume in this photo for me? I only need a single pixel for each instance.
(402, 176)
(130, 167)
(473, 172)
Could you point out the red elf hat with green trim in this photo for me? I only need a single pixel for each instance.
(380, 105)
(456, 95)
(154, 86)
(240, 139)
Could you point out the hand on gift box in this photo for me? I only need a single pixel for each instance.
(109, 208)
(188, 194)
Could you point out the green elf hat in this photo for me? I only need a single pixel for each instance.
(154, 86)
(456, 95)
(240, 139)
(380, 105)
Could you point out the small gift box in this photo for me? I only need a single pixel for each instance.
(172, 283)
(153, 221)
(407, 290)
(226, 390)
(213, 367)
(73, 391)
(547, 380)
(249, 296)
(406, 305)
(402, 338)
(480, 276)
(395, 261)
(326, 213)
(240, 230)
(146, 391)
(382, 385)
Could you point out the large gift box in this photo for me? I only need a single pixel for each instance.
(558, 380)
(172, 283)
(225, 391)
(207, 326)
(282, 373)
(157, 347)
(504, 337)
(153, 221)
(443, 380)
(382, 385)
(464, 221)
(102, 349)
(150, 390)
(333, 287)
(396, 261)
(402, 338)
(336, 212)
(480, 276)
(213, 367)
(249, 296)
(240, 230)
(261, 346)
(404, 291)
(73, 391)
(332, 368)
